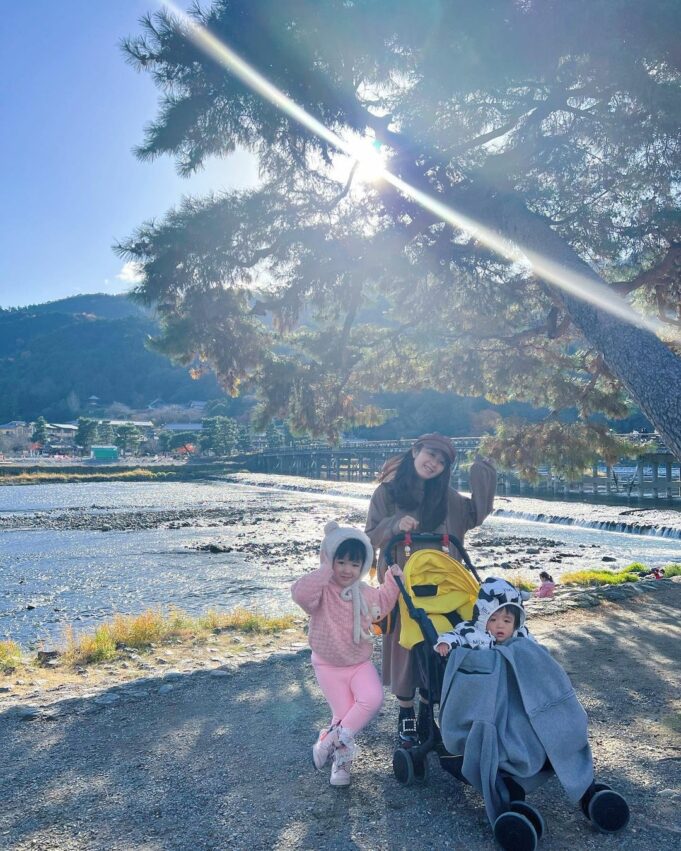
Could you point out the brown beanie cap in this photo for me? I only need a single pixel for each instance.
(439, 442)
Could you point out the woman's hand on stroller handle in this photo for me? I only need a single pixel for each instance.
(407, 523)
(396, 570)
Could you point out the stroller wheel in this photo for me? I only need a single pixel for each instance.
(403, 767)
(588, 796)
(515, 832)
(533, 814)
(608, 811)
(421, 770)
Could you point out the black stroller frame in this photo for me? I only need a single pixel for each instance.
(520, 828)
(410, 765)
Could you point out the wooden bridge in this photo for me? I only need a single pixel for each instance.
(654, 475)
(352, 461)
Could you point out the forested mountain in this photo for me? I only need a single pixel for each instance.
(54, 356)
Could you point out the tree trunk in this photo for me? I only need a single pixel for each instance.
(649, 370)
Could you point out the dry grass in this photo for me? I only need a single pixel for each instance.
(242, 620)
(151, 628)
(10, 656)
(521, 584)
(136, 474)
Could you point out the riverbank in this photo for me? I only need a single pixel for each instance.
(128, 647)
(215, 754)
(45, 474)
(76, 554)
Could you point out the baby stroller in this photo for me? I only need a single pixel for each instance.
(438, 593)
(502, 714)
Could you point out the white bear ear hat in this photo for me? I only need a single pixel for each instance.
(334, 535)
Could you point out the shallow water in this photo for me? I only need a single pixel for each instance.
(82, 576)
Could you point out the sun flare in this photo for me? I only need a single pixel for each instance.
(369, 156)
(366, 158)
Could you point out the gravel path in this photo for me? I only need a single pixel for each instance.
(214, 761)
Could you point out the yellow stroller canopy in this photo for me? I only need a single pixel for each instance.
(438, 584)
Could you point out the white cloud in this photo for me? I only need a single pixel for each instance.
(131, 273)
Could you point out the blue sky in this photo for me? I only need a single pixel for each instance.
(72, 110)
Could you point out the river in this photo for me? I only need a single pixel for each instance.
(77, 553)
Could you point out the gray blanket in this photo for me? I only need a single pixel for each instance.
(506, 709)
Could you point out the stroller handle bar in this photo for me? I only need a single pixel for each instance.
(429, 536)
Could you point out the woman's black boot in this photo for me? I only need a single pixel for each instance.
(406, 728)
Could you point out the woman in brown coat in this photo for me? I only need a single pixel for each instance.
(414, 495)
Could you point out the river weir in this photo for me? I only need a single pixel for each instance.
(78, 553)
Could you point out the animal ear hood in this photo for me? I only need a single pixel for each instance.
(495, 593)
(334, 535)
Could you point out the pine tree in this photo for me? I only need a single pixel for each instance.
(87, 433)
(553, 125)
(40, 431)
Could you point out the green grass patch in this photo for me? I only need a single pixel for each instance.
(672, 570)
(599, 577)
(152, 627)
(10, 656)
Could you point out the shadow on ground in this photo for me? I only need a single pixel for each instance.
(223, 762)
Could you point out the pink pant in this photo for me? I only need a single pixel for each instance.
(353, 692)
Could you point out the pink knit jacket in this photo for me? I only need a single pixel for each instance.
(331, 617)
(546, 590)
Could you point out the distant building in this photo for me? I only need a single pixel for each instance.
(16, 428)
(61, 432)
(104, 453)
(93, 401)
(182, 427)
(197, 406)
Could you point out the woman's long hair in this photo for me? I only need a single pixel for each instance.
(410, 492)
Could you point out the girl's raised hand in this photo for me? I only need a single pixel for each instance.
(396, 570)
(407, 523)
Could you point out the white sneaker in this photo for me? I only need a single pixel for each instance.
(342, 765)
(342, 759)
(325, 745)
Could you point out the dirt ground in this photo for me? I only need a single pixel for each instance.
(217, 755)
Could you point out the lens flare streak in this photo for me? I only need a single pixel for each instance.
(571, 282)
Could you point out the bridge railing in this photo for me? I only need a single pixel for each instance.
(393, 446)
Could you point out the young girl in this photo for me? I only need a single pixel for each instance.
(341, 609)
(547, 586)
(414, 496)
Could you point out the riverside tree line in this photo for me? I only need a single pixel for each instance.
(219, 435)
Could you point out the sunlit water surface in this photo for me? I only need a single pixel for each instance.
(82, 577)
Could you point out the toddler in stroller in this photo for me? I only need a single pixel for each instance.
(510, 714)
